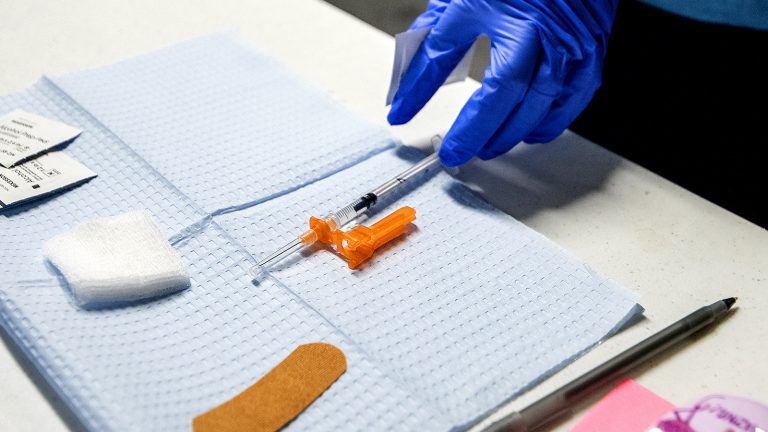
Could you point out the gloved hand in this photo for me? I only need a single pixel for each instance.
(546, 60)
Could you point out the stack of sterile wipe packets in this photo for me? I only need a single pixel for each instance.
(219, 144)
(26, 171)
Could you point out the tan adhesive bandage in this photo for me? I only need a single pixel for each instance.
(280, 395)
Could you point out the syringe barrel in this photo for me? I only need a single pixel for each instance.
(346, 214)
(406, 175)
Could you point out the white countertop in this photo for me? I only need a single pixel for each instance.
(677, 250)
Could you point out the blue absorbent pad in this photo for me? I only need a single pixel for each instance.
(239, 118)
(468, 309)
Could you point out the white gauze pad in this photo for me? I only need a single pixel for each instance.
(117, 259)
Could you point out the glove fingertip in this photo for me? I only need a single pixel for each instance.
(544, 134)
(393, 118)
(453, 157)
(540, 139)
(396, 115)
(493, 153)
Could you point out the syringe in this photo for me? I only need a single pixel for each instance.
(341, 217)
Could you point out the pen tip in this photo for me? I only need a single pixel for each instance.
(730, 301)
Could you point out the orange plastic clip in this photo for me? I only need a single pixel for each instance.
(358, 244)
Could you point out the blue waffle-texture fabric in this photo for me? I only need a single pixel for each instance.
(231, 153)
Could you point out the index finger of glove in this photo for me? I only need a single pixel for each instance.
(438, 55)
(506, 82)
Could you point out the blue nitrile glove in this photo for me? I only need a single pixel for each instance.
(546, 59)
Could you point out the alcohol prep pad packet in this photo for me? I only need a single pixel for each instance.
(24, 135)
(40, 176)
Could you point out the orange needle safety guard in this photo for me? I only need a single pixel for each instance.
(358, 244)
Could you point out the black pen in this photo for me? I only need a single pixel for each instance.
(559, 402)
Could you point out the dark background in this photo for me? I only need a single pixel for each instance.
(683, 98)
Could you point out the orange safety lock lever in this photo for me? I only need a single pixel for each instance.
(358, 244)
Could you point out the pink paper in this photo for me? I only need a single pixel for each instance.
(629, 407)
